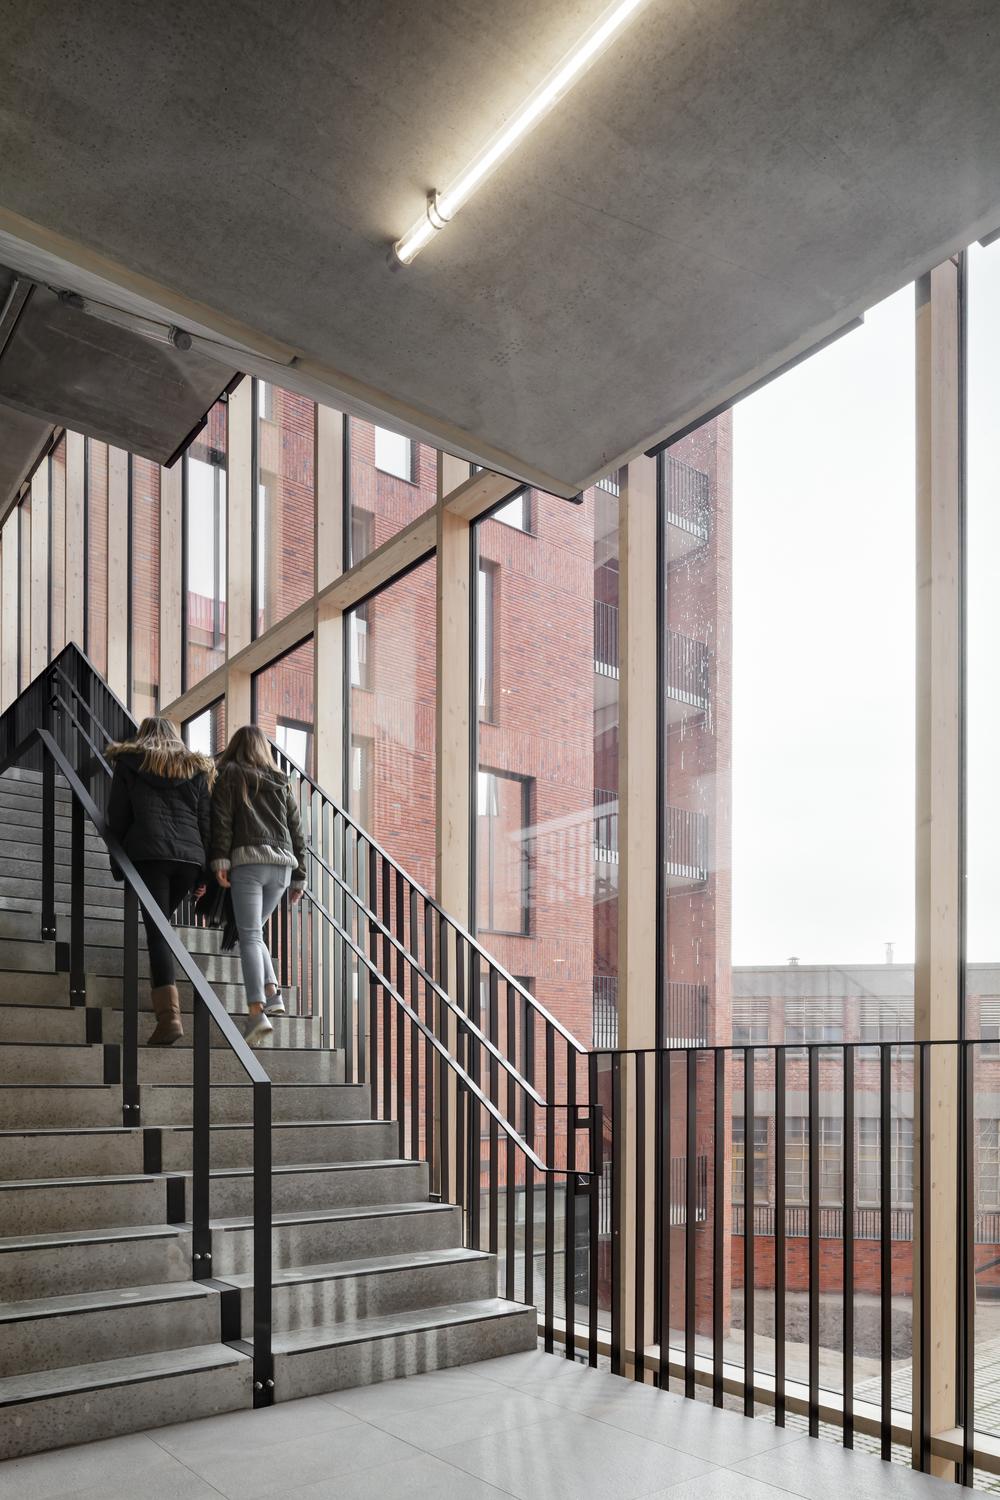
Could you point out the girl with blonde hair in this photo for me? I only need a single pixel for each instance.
(258, 850)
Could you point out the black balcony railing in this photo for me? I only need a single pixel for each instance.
(686, 1021)
(605, 638)
(687, 844)
(686, 496)
(687, 669)
(610, 483)
(605, 825)
(605, 1010)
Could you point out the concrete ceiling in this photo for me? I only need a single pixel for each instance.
(729, 184)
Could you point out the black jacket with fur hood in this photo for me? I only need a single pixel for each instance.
(161, 815)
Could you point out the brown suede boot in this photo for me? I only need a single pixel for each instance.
(167, 1006)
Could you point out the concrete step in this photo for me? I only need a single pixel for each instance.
(336, 1357)
(20, 988)
(33, 906)
(86, 1402)
(313, 1237)
(40, 1106)
(170, 1104)
(49, 1152)
(41, 1206)
(41, 1265)
(320, 1186)
(283, 1065)
(311, 1296)
(44, 1023)
(23, 858)
(48, 1332)
(52, 1062)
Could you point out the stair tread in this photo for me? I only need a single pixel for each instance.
(387, 1325)
(89, 1180)
(305, 1166)
(41, 1385)
(369, 1265)
(325, 1215)
(81, 1302)
(58, 1239)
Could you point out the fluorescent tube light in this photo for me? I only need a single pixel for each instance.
(442, 207)
(160, 333)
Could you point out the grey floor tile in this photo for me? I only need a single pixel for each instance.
(721, 1484)
(280, 1467)
(691, 1426)
(823, 1471)
(252, 1429)
(171, 1482)
(571, 1458)
(420, 1478)
(434, 1428)
(535, 1373)
(45, 1476)
(438, 1386)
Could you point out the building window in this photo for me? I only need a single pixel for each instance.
(205, 548)
(989, 1028)
(516, 512)
(831, 1159)
(361, 761)
(751, 1022)
(503, 852)
(869, 1161)
(295, 740)
(359, 644)
(206, 732)
(484, 640)
(885, 1021)
(282, 700)
(988, 1164)
(759, 1159)
(362, 534)
(814, 1021)
(394, 454)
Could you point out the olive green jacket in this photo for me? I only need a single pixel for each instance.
(262, 828)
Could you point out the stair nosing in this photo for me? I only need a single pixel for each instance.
(500, 1308)
(169, 1291)
(222, 1355)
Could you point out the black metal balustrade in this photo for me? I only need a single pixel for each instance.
(605, 638)
(687, 844)
(686, 496)
(687, 669)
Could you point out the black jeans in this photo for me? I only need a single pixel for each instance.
(169, 882)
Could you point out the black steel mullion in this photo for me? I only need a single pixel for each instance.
(885, 1247)
(718, 1223)
(922, 1083)
(690, 1212)
(814, 1154)
(780, 1227)
(847, 1229)
(749, 1274)
(639, 1364)
(617, 1216)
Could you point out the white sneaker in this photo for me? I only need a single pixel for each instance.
(257, 1028)
(275, 1006)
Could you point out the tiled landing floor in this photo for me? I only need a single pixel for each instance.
(531, 1426)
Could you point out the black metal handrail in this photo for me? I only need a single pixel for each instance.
(39, 749)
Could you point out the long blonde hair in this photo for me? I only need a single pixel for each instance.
(248, 752)
(163, 751)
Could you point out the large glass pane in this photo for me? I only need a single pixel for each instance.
(205, 548)
(788, 660)
(283, 699)
(286, 482)
(392, 707)
(97, 554)
(145, 592)
(24, 557)
(392, 481)
(57, 547)
(206, 732)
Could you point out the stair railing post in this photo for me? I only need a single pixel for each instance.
(201, 1143)
(77, 933)
(130, 1009)
(48, 848)
(263, 1369)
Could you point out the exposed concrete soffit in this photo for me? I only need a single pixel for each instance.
(56, 260)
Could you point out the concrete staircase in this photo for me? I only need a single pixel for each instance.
(103, 1329)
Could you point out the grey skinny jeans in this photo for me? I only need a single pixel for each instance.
(257, 889)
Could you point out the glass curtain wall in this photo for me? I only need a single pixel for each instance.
(205, 548)
(284, 503)
(144, 594)
(392, 480)
(283, 704)
(787, 712)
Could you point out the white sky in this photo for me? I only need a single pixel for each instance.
(823, 646)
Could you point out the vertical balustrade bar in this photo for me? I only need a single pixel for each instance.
(639, 1188)
(967, 1259)
(780, 1260)
(718, 1221)
(201, 1140)
(333, 1028)
(528, 1043)
(473, 1053)
(594, 1217)
(569, 1266)
(922, 1083)
(690, 1221)
(550, 1186)
(430, 1055)
(493, 1031)
(749, 1273)
(848, 1249)
(262, 1250)
(885, 1247)
(666, 1217)
(617, 1216)
(444, 1092)
(814, 1151)
(130, 1006)
(48, 925)
(77, 930)
(511, 1160)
